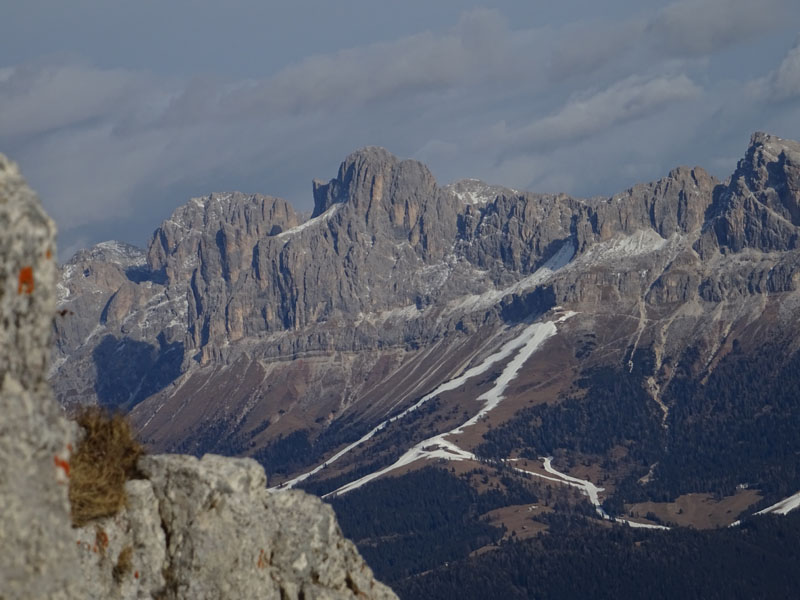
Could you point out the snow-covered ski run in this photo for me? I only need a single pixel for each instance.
(586, 487)
(526, 343)
(439, 447)
(783, 507)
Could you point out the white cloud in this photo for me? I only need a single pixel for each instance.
(785, 82)
(780, 84)
(583, 116)
(38, 99)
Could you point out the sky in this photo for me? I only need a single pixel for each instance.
(118, 112)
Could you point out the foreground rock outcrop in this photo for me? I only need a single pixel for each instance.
(191, 528)
(37, 548)
(210, 529)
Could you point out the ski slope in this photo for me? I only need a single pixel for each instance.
(439, 446)
(592, 491)
(783, 507)
(524, 344)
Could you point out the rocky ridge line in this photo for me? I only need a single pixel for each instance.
(394, 282)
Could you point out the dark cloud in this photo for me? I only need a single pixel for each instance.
(581, 49)
(480, 48)
(41, 98)
(701, 27)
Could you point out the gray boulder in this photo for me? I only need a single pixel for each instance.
(210, 529)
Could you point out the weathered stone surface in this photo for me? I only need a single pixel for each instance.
(38, 557)
(125, 556)
(760, 206)
(208, 528)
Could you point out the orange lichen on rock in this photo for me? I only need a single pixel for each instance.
(25, 283)
(49, 254)
(101, 539)
(62, 464)
(262, 559)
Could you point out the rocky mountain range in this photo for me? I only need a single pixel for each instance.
(246, 329)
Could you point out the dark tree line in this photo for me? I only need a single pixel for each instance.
(578, 559)
(613, 410)
(409, 524)
(739, 426)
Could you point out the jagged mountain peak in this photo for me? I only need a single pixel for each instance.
(767, 149)
(684, 172)
(768, 140)
(111, 251)
(371, 178)
(760, 206)
(219, 219)
(770, 161)
(236, 208)
(368, 154)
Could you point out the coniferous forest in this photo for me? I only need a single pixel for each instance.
(579, 559)
(419, 532)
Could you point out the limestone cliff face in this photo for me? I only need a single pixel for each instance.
(192, 529)
(372, 229)
(394, 282)
(383, 237)
(760, 207)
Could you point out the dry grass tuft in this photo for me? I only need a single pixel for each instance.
(102, 462)
(124, 564)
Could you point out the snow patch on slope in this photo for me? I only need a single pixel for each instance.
(783, 507)
(477, 192)
(588, 488)
(310, 223)
(639, 243)
(439, 446)
(474, 302)
(530, 338)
